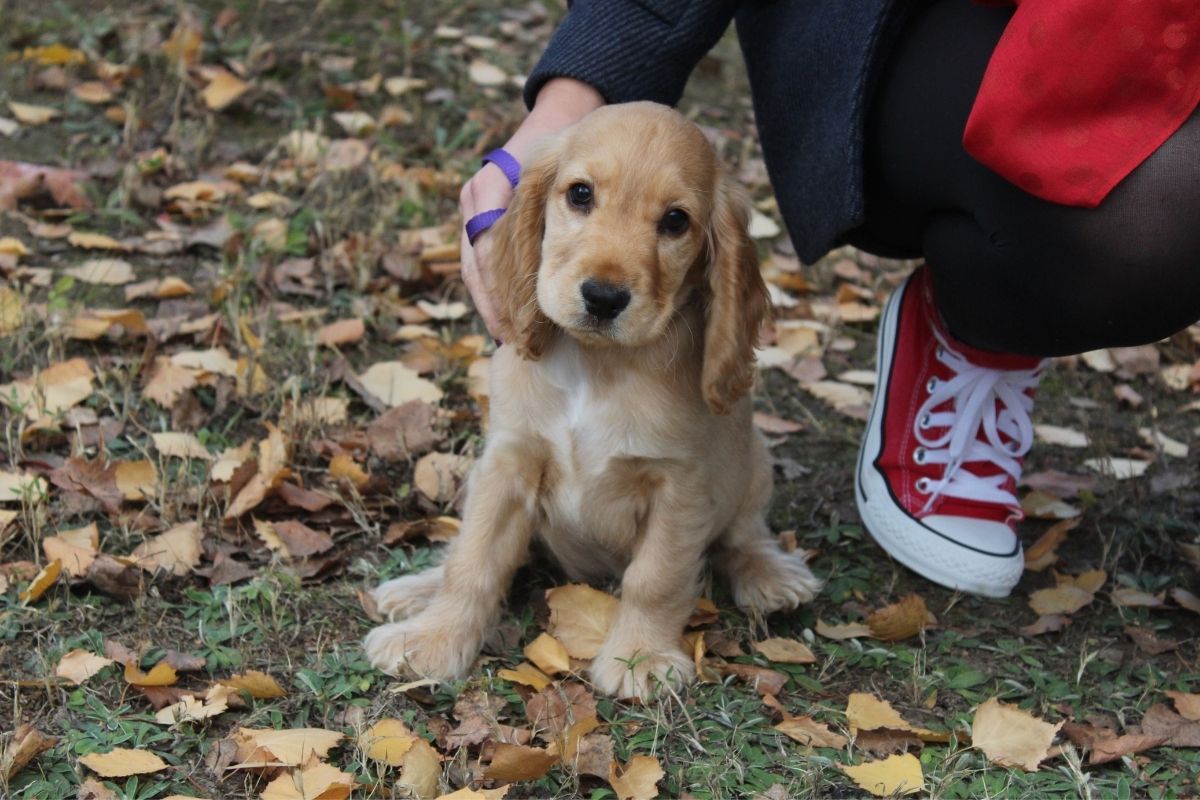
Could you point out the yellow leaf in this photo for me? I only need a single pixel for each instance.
(869, 713)
(266, 200)
(103, 271)
(893, 775)
(527, 675)
(162, 674)
(343, 466)
(95, 241)
(223, 89)
(216, 360)
(388, 740)
(31, 114)
(230, 460)
(395, 384)
(638, 780)
(258, 684)
(54, 55)
(123, 762)
(1044, 551)
(1011, 737)
(26, 744)
(76, 549)
(315, 782)
(422, 770)
(807, 731)
(41, 582)
(1187, 704)
(93, 92)
(548, 655)
(272, 233)
(12, 310)
(79, 665)
(168, 382)
(785, 651)
(293, 746)
(177, 551)
(517, 762)
(158, 288)
(580, 618)
(10, 246)
(189, 709)
(137, 480)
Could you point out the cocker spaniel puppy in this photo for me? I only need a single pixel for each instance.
(620, 432)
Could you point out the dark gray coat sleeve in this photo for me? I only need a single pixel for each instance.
(632, 49)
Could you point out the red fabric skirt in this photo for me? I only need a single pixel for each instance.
(1079, 92)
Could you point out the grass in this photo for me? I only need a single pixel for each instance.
(713, 740)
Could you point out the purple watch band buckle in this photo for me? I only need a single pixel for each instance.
(511, 168)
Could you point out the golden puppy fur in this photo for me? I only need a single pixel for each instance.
(626, 446)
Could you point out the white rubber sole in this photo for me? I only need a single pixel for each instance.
(927, 552)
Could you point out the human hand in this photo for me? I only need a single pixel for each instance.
(560, 103)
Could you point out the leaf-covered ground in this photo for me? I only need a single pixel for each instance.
(240, 386)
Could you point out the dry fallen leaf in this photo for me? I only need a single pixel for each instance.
(439, 476)
(223, 88)
(422, 770)
(1011, 737)
(189, 709)
(162, 674)
(548, 655)
(899, 774)
(103, 271)
(79, 665)
(785, 651)
(76, 549)
(900, 620)
(807, 731)
(388, 740)
(849, 630)
(123, 762)
(395, 384)
(26, 744)
(638, 780)
(516, 762)
(865, 712)
(177, 551)
(28, 114)
(290, 747)
(317, 781)
(526, 674)
(580, 618)
(1044, 552)
(1187, 704)
(41, 582)
(174, 444)
(257, 684)
(343, 331)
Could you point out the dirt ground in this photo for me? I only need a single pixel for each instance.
(297, 213)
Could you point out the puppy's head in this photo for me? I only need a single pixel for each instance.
(614, 226)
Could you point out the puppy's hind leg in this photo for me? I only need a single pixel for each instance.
(407, 596)
(763, 576)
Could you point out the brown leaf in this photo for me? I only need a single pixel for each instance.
(223, 89)
(1047, 623)
(168, 382)
(422, 770)
(851, 630)
(1044, 552)
(344, 331)
(1187, 704)
(1178, 730)
(900, 620)
(343, 467)
(76, 549)
(514, 762)
(302, 541)
(1111, 748)
(638, 780)
(299, 497)
(1149, 642)
(439, 476)
(92, 479)
(1186, 599)
(404, 431)
(554, 709)
(19, 181)
(26, 744)
(1011, 737)
(177, 551)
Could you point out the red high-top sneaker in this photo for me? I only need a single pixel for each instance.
(937, 474)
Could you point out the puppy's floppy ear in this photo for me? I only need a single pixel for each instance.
(738, 301)
(517, 255)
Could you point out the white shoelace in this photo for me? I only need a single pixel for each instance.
(973, 395)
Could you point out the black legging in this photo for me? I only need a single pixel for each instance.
(1013, 273)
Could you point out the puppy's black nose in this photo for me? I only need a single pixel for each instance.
(603, 300)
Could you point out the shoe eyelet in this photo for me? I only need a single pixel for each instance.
(931, 385)
(941, 352)
(923, 422)
(918, 455)
(922, 485)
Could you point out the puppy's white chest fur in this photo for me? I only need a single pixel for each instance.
(600, 478)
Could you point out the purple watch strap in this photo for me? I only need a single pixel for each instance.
(479, 223)
(507, 164)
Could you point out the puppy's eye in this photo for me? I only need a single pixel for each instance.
(674, 222)
(580, 196)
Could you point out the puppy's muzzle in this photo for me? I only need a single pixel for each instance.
(604, 301)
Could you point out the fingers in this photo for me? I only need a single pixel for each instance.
(489, 189)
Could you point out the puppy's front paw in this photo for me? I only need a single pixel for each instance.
(622, 670)
(422, 649)
(401, 598)
(772, 579)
